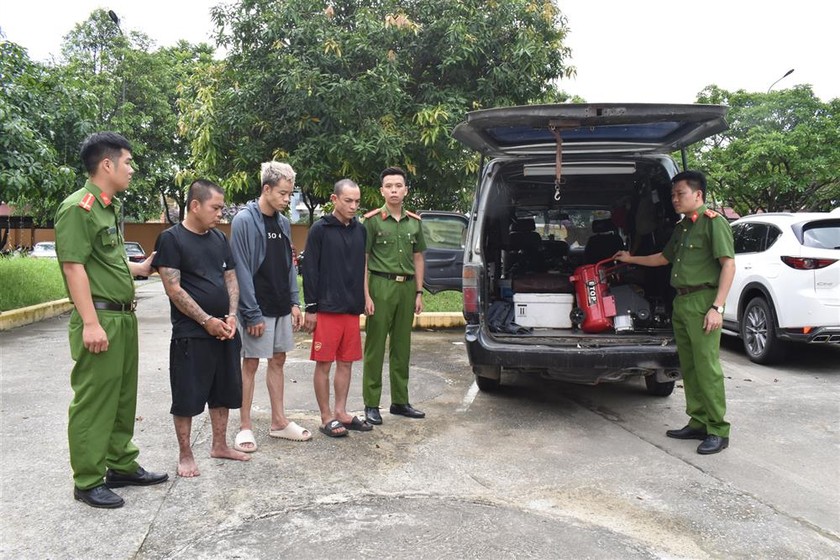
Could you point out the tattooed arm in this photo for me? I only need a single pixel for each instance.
(186, 304)
(233, 290)
(233, 293)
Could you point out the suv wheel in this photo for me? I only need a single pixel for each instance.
(658, 388)
(758, 330)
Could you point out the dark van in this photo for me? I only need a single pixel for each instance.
(562, 188)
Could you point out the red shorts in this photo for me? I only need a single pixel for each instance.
(337, 337)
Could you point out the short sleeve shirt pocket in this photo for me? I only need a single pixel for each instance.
(108, 243)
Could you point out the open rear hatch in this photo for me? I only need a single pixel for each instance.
(589, 128)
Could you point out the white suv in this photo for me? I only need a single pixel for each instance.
(787, 282)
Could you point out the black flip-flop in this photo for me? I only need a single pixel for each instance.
(358, 425)
(332, 425)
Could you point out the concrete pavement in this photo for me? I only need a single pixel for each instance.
(541, 470)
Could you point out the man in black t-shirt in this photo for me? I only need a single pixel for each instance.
(194, 261)
(334, 289)
(269, 305)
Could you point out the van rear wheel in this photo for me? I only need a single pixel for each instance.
(488, 378)
(658, 388)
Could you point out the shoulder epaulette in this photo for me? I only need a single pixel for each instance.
(372, 213)
(711, 214)
(413, 215)
(87, 202)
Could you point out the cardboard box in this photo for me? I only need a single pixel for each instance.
(543, 310)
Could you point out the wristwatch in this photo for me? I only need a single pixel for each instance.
(718, 308)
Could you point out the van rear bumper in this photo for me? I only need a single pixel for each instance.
(589, 365)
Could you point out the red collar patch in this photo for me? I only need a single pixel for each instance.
(106, 200)
(693, 217)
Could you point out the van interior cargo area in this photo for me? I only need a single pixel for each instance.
(545, 238)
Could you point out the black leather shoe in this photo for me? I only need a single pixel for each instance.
(372, 415)
(141, 477)
(687, 433)
(713, 444)
(99, 497)
(407, 410)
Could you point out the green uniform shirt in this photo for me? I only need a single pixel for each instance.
(699, 240)
(86, 232)
(391, 244)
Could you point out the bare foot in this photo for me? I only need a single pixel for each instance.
(229, 453)
(187, 467)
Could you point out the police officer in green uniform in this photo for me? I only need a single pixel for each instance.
(393, 294)
(702, 258)
(103, 328)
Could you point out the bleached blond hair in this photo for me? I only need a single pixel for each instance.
(272, 172)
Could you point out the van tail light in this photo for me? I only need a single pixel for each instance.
(470, 276)
(804, 263)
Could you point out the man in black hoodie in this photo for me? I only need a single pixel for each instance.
(333, 287)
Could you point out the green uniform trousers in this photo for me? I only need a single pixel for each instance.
(699, 353)
(393, 316)
(101, 422)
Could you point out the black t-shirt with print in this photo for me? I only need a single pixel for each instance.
(271, 283)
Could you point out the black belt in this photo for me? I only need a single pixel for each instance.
(394, 277)
(112, 306)
(691, 289)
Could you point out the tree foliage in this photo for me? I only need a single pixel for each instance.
(780, 153)
(150, 117)
(33, 105)
(343, 89)
(136, 90)
(106, 80)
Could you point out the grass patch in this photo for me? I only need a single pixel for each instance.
(443, 301)
(26, 281)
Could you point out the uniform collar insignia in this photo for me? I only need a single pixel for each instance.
(87, 202)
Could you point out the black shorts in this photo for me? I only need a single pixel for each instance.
(204, 371)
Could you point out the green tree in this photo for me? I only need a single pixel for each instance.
(32, 106)
(150, 115)
(780, 153)
(347, 87)
(136, 90)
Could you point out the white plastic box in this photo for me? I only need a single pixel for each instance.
(543, 310)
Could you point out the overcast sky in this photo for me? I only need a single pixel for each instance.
(643, 51)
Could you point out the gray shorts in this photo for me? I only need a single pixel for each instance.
(278, 337)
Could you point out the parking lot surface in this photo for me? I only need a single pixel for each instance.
(540, 470)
